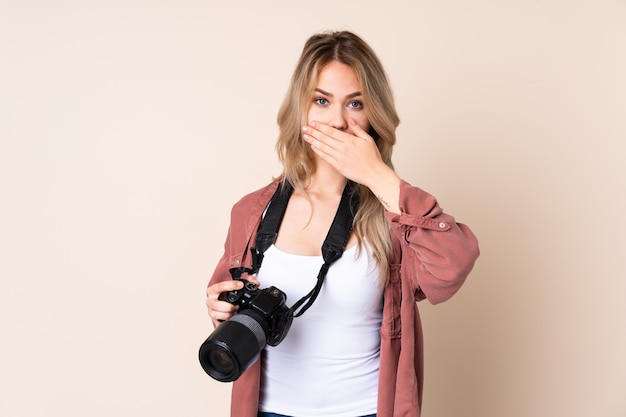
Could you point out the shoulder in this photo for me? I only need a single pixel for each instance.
(256, 200)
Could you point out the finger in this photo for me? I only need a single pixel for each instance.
(318, 139)
(223, 286)
(219, 316)
(327, 133)
(253, 279)
(358, 130)
(220, 310)
(341, 135)
(222, 307)
(325, 151)
(318, 145)
(324, 142)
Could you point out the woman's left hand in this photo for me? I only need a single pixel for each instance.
(352, 152)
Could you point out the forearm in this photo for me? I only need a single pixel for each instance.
(385, 185)
(438, 252)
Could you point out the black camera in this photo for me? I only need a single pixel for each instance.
(263, 319)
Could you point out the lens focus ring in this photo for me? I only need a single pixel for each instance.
(251, 324)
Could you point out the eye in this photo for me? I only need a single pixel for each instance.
(355, 104)
(320, 101)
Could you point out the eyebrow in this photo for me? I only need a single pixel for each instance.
(326, 93)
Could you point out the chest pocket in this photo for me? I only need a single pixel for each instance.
(391, 307)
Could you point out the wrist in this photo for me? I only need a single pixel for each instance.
(385, 185)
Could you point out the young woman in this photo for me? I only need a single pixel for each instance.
(358, 350)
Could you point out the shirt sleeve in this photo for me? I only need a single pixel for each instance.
(437, 252)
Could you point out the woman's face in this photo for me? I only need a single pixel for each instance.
(337, 97)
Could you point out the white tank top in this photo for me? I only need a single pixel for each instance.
(328, 363)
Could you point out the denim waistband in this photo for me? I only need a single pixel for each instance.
(264, 414)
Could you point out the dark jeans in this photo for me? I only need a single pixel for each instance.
(261, 414)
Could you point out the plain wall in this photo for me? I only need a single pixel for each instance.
(129, 128)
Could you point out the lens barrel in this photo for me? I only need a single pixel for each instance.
(234, 346)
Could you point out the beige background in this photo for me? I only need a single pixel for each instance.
(129, 128)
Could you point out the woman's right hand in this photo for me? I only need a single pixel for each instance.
(222, 310)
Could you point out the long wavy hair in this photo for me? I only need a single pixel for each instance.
(297, 157)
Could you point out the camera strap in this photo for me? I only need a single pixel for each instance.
(332, 248)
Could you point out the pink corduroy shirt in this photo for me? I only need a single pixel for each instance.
(433, 255)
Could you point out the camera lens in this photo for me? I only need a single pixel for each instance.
(234, 346)
(220, 361)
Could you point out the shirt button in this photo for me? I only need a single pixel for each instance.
(442, 225)
(237, 262)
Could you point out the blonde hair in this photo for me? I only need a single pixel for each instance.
(297, 158)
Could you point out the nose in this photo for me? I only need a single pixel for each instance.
(338, 119)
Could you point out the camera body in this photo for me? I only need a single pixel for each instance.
(270, 303)
(263, 319)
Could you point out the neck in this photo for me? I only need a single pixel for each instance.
(326, 180)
